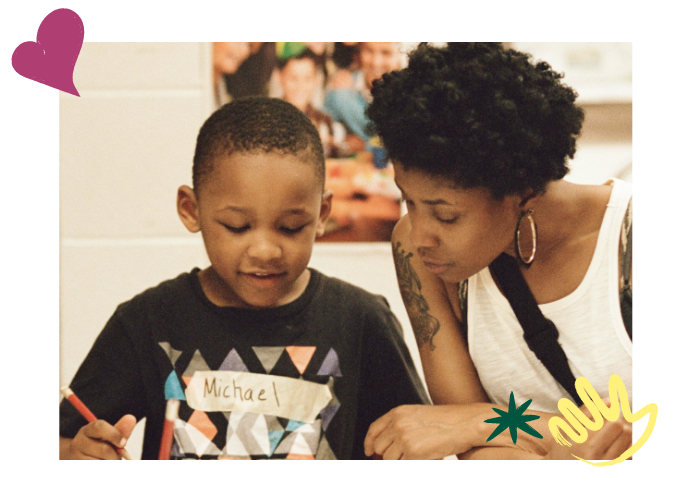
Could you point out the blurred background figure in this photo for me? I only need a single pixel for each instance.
(348, 93)
(242, 69)
(227, 58)
(345, 55)
(299, 74)
(318, 48)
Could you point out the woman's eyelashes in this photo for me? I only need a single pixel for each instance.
(446, 219)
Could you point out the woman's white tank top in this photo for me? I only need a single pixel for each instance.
(589, 321)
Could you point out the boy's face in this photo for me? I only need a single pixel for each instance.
(259, 216)
(299, 80)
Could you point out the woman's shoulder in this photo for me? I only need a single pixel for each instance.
(612, 193)
(412, 276)
(402, 232)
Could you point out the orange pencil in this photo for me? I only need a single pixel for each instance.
(172, 407)
(87, 414)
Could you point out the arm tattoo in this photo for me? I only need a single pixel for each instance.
(424, 325)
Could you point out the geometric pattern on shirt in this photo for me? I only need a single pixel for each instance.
(182, 438)
(276, 432)
(330, 366)
(302, 441)
(176, 451)
(235, 448)
(196, 364)
(327, 413)
(193, 441)
(233, 362)
(300, 356)
(247, 435)
(172, 387)
(251, 434)
(173, 354)
(300, 449)
(293, 425)
(244, 435)
(200, 421)
(268, 355)
(325, 451)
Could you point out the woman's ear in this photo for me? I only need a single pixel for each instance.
(529, 199)
(188, 209)
(325, 209)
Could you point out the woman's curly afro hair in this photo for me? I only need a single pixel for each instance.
(478, 115)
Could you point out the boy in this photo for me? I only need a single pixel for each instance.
(270, 359)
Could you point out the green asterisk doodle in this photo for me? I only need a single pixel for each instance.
(513, 419)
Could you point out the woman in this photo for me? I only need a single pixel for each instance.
(480, 138)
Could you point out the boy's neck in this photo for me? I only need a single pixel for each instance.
(222, 296)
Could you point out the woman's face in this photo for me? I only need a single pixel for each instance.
(456, 232)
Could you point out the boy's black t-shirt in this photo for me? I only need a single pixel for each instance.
(304, 380)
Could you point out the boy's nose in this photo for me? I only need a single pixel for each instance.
(264, 249)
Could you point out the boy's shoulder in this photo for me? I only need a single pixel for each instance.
(171, 291)
(341, 295)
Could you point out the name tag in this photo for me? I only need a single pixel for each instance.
(236, 391)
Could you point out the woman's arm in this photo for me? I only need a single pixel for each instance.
(432, 431)
(448, 368)
(455, 424)
(437, 431)
(499, 453)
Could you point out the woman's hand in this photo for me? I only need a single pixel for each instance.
(608, 443)
(428, 431)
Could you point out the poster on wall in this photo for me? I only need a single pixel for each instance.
(330, 82)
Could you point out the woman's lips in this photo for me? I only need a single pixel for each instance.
(435, 267)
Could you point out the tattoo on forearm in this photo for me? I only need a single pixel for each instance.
(424, 325)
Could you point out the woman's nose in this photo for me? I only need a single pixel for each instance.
(421, 235)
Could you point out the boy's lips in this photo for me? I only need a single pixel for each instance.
(264, 279)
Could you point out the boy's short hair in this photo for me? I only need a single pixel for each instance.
(257, 125)
(480, 115)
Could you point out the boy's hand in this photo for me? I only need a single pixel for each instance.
(99, 439)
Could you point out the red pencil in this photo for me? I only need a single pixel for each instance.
(87, 414)
(172, 407)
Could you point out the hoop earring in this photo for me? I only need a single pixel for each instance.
(526, 262)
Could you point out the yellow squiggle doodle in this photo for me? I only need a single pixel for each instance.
(598, 410)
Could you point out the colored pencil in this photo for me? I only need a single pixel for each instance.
(172, 407)
(87, 414)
